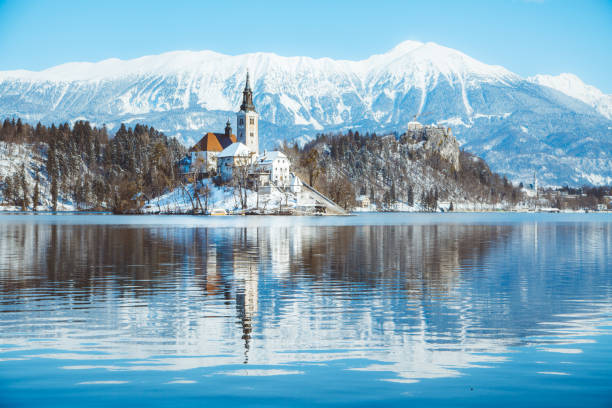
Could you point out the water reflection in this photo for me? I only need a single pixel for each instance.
(408, 301)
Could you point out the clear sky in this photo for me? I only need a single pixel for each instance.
(525, 36)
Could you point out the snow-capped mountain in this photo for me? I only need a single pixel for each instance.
(519, 125)
(573, 86)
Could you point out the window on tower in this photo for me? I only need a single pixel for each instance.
(251, 134)
(252, 121)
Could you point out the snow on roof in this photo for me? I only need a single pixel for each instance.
(235, 149)
(271, 156)
(296, 181)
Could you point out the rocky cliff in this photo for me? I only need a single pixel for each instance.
(436, 139)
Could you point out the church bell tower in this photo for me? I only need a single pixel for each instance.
(247, 120)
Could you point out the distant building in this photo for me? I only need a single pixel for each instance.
(204, 154)
(277, 165)
(296, 185)
(363, 201)
(414, 125)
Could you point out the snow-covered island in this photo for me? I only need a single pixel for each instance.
(204, 197)
(226, 173)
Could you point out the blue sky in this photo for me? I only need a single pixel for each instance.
(527, 37)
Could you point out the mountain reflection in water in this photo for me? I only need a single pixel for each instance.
(408, 302)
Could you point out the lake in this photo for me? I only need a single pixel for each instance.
(371, 310)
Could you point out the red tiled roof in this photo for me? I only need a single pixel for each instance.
(213, 142)
(226, 141)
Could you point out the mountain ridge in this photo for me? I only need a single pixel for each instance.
(185, 93)
(573, 86)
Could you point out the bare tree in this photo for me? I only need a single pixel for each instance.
(204, 192)
(240, 177)
(310, 162)
(195, 187)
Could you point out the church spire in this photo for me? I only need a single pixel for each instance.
(248, 84)
(247, 96)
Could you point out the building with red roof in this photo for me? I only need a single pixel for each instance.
(204, 153)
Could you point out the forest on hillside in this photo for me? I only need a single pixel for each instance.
(84, 165)
(396, 168)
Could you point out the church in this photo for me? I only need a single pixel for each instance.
(237, 158)
(248, 120)
(224, 152)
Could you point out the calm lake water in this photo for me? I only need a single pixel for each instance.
(373, 310)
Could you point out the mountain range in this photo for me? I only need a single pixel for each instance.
(554, 126)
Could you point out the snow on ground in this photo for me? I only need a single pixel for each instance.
(12, 155)
(444, 206)
(182, 199)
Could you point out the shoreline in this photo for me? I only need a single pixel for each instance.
(350, 213)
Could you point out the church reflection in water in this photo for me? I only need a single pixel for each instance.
(421, 301)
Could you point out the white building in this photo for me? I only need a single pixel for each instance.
(414, 125)
(248, 120)
(236, 155)
(277, 165)
(363, 201)
(296, 184)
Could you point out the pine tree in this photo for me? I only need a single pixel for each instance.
(54, 194)
(24, 188)
(36, 194)
(434, 203)
(20, 130)
(52, 170)
(9, 191)
(410, 196)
